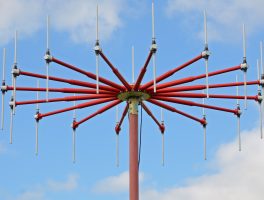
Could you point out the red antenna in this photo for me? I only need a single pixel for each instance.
(105, 91)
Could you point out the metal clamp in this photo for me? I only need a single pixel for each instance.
(12, 103)
(153, 47)
(48, 57)
(4, 88)
(206, 53)
(244, 66)
(97, 48)
(15, 71)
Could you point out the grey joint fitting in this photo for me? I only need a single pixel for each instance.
(48, 58)
(4, 88)
(12, 103)
(244, 66)
(206, 53)
(153, 47)
(15, 71)
(97, 48)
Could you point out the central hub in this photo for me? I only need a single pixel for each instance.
(124, 96)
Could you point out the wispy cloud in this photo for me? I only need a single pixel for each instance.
(70, 184)
(240, 175)
(225, 17)
(115, 184)
(76, 17)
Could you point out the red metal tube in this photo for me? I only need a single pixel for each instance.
(202, 87)
(69, 81)
(89, 74)
(171, 72)
(161, 126)
(143, 71)
(116, 72)
(69, 98)
(133, 157)
(62, 90)
(79, 106)
(103, 109)
(193, 78)
(118, 126)
(190, 103)
(198, 95)
(172, 109)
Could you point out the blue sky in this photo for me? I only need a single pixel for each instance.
(227, 174)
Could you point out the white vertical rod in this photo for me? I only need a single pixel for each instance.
(47, 63)
(205, 29)
(206, 49)
(15, 50)
(258, 74)
(37, 106)
(117, 150)
(74, 146)
(237, 91)
(133, 64)
(74, 111)
(117, 113)
(261, 57)
(245, 89)
(203, 101)
(154, 72)
(153, 21)
(47, 33)
(162, 115)
(244, 42)
(3, 93)
(97, 74)
(97, 23)
(14, 78)
(244, 58)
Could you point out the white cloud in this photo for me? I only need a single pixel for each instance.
(70, 184)
(77, 17)
(239, 176)
(115, 184)
(225, 17)
(31, 195)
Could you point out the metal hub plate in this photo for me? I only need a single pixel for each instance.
(124, 96)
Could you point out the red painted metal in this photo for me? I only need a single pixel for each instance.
(69, 98)
(133, 157)
(115, 70)
(193, 78)
(143, 71)
(171, 72)
(190, 103)
(62, 90)
(69, 81)
(198, 95)
(89, 74)
(118, 126)
(202, 87)
(79, 106)
(172, 109)
(103, 109)
(161, 126)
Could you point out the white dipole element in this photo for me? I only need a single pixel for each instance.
(203, 101)
(74, 111)
(206, 49)
(133, 64)
(237, 91)
(205, 143)
(162, 115)
(117, 113)
(97, 74)
(154, 72)
(153, 21)
(163, 149)
(245, 63)
(3, 91)
(258, 74)
(47, 61)
(15, 50)
(37, 121)
(14, 75)
(260, 101)
(117, 150)
(73, 145)
(261, 57)
(97, 23)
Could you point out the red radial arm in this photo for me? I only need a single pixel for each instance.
(103, 109)
(69, 81)
(79, 106)
(161, 126)
(118, 126)
(143, 71)
(197, 95)
(62, 90)
(172, 109)
(202, 87)
(69, 98)
(193, 78)
(89, 74)
(190, 103)
(115, 70)
(171, 72)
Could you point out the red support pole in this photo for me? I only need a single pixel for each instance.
(69, 81)
(202, 87)
(133, 149)
(193, 78)
(115, 70)
(89, 74)
(171, 72)
(143, 71)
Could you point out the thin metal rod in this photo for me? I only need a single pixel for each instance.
(74, 111)
(47, 33)
(206, 78)
(4, 64)
(117, 150)
(74, 146)
(97, 22)
(244, 42)
(205, 29)
(258, 73)
(237, 91)
(154, 72)
(47, 81)
(14, 96)
(15, 49)
(245, 89)
(117, 112)
(261, 57)
(37, 96)
(162, 115)
(133, 65)
(206, 49)
(97, 73)
(153, 20)
(203, 101)
(3, 93)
